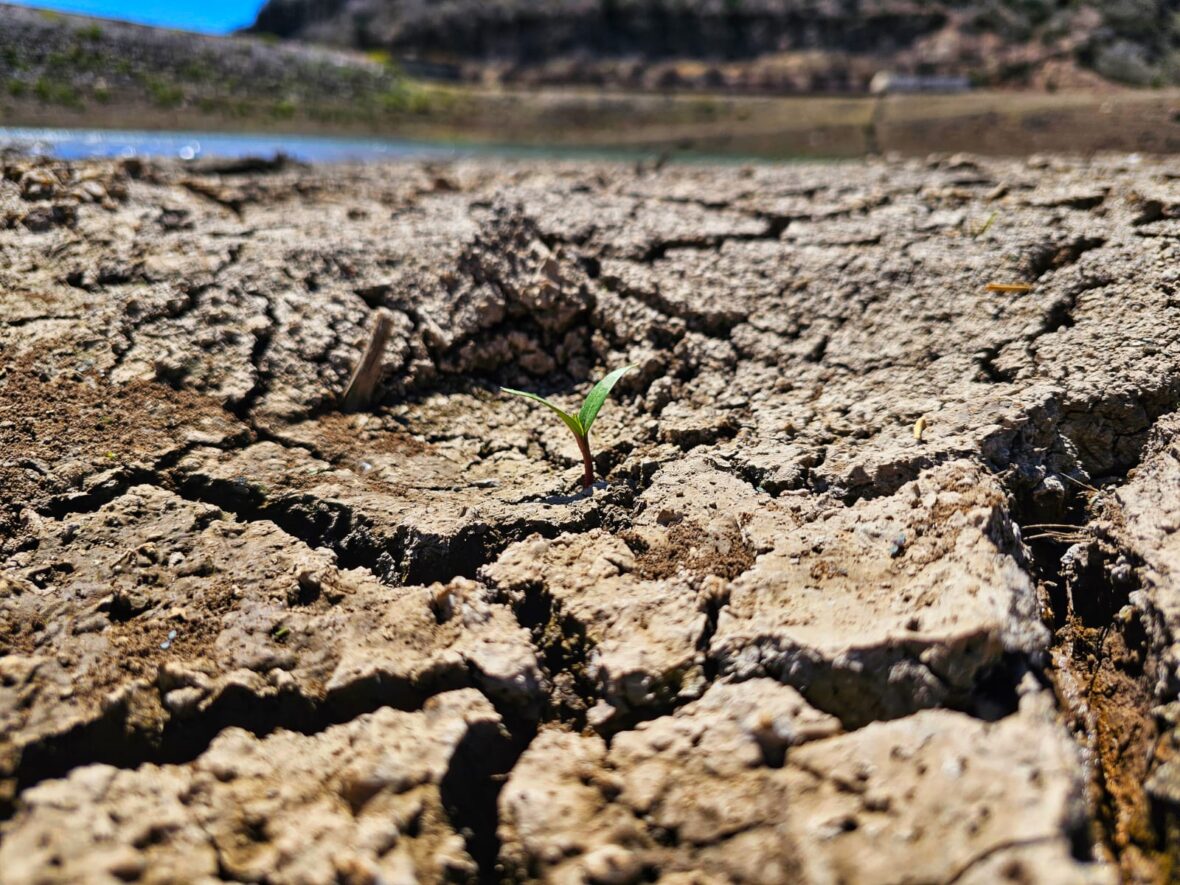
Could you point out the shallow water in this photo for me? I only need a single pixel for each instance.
(81, 143)
(72, 144)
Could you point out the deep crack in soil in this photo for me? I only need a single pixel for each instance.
(1102, 665)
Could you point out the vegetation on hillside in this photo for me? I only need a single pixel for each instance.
(755, 45)
(82, 64)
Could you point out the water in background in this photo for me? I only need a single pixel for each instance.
(73, 144)
(80, 144)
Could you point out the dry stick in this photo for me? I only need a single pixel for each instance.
(1060, 537)
(364, 380)
(1084, 485)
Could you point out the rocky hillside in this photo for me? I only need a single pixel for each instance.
(85, 64)
(755, 45)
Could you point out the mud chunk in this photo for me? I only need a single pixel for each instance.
(953, 790)
(653, 799)
(868, 634)
(367, 795)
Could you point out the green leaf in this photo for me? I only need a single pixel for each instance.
(597, 396)
(570, 421)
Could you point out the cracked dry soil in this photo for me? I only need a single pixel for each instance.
(244, 637)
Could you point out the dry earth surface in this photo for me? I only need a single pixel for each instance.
(882, 583)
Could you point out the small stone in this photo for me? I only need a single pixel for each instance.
(612, 865)
(599, 715)
(184, 701)
(1164, 783)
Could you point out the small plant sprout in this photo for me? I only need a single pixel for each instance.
(580, 423)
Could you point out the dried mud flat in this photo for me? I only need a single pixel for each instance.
(881, 584)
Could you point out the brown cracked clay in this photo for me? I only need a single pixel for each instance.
(245, 636)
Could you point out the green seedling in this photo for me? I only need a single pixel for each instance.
(580, 423)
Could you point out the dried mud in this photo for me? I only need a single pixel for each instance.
(877, 585)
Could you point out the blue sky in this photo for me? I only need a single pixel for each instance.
(211, 16)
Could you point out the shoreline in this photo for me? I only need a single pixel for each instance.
(991, 123)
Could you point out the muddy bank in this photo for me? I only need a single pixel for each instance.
(992, 123)
(880, 582)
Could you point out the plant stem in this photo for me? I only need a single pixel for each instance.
(587, 460)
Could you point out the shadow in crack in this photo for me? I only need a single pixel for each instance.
(471, 788)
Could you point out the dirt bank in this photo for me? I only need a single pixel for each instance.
(880, 585)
